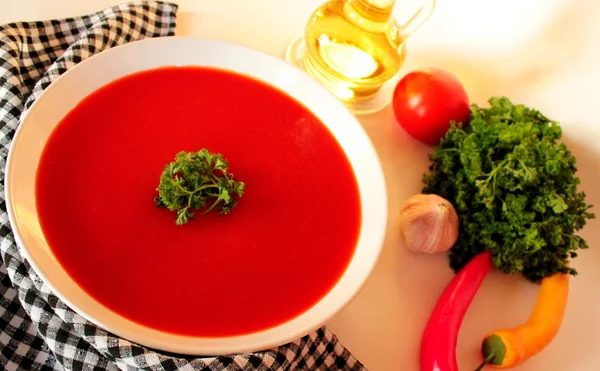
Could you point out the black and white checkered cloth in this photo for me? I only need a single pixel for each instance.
(37, 330)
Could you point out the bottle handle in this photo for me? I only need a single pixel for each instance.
(417, 19)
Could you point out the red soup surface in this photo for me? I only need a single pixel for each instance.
(274, 256)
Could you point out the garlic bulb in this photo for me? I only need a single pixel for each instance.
(428, 224)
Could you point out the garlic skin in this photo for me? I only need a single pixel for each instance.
(428, 224)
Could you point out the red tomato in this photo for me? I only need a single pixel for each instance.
(426, 100)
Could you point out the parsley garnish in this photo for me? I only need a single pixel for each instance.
(195, 180)
(514, 188)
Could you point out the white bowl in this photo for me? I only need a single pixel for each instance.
(69, 89)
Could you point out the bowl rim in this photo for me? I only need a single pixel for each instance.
(214, 346)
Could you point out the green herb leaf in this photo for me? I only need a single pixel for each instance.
(198, 180)
(514, 188)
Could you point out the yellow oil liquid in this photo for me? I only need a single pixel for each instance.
(353, 47)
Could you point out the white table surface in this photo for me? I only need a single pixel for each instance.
(543, 53)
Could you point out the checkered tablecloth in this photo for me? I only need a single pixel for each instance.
(37, 330)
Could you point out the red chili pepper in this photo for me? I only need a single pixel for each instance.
(438, 344)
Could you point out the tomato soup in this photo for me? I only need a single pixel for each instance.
(271, 258)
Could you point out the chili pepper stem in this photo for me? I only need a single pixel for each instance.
(486, 361)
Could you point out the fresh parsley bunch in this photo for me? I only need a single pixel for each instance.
(198, 180)
(515, 189)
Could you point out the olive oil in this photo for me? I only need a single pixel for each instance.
(353, 46)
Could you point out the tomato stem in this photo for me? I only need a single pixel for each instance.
(486, 361)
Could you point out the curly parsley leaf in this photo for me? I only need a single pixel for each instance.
(195, 181)
(514, 188)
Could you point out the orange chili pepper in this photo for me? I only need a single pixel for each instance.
(511, 347)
